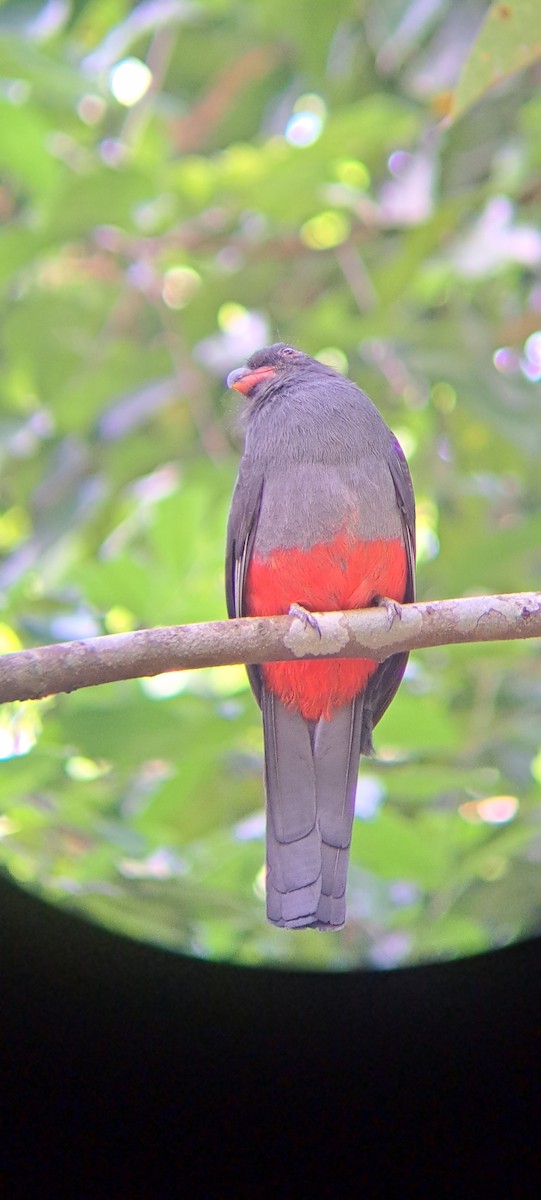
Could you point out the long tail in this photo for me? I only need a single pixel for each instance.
(311, 776)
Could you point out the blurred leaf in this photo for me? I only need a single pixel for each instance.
(401, 849)
(507, 42)
(23, 148)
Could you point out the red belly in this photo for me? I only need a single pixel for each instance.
(333, 575)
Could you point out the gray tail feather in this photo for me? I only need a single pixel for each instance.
(311, 777)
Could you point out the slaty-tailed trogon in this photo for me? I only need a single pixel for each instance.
(322, 516)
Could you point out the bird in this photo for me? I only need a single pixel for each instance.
(322, 518)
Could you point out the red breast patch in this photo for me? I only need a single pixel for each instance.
(341, 574)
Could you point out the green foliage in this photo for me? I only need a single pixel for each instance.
(509, 40)
(287, 175)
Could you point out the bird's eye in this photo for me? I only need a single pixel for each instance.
(289, 351)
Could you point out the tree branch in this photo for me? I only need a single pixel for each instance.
(369, 633)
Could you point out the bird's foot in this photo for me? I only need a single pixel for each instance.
(391, 607)
(307, 618)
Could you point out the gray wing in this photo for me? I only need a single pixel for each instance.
(406, 503)
(386, 680)
(241, 527)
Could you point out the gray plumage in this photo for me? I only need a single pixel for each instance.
(318, 459)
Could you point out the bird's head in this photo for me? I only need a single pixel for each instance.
(272, 363)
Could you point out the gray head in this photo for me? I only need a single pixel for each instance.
(274, 365)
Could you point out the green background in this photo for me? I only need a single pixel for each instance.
(293, 173)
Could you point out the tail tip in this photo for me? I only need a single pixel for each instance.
(290, 910)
